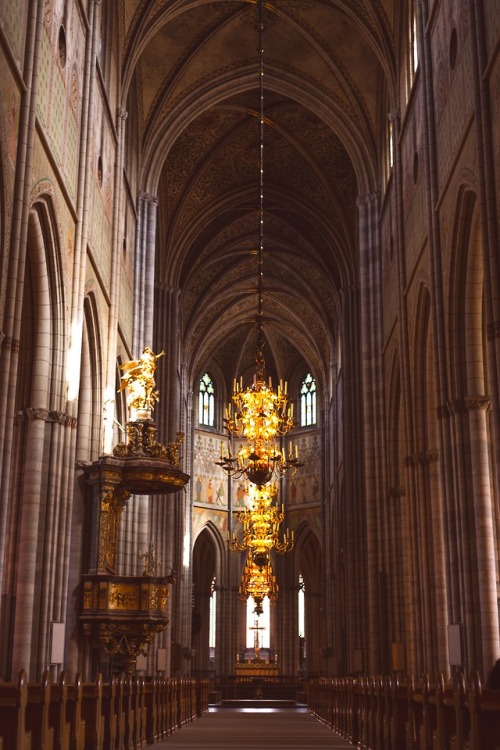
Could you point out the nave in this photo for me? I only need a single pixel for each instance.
(248, 728)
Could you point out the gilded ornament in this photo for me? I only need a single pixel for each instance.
(138, 377)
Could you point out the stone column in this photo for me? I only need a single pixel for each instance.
(144, 296)
(9, 354)
(348, 545)
(373, 414)
(482, 537)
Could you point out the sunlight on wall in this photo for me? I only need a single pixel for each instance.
(108, 417)
(73, 362)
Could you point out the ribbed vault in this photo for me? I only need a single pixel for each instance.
(191, 70)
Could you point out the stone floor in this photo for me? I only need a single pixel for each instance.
(255, 728)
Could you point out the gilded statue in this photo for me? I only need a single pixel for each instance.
(138, 377)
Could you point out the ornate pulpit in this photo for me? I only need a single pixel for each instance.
(124, 613)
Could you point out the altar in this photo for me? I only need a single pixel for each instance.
(256, 668)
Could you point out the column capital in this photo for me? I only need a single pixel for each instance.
(493, 330)
(368, 199)
(474, 403)
(395, 493)
(423, 458)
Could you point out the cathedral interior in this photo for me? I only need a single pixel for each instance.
(231, 193)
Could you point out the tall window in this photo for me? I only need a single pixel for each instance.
(390, 149)
(412, 50)
(302, 620)
(258, 625)
(213, 614)
(206, 401)
(308, 401)
(413, 41)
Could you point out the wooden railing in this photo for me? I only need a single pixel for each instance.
(378, 713)
(125, 714)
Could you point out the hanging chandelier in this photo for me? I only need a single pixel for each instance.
(259, 414)
(259, 461)
(258, 583)
(261, 524)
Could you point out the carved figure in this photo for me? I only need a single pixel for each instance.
(138, 377)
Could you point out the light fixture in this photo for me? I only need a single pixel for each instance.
(259, 414)
(259, 460)
(258, 583)
(261, 524)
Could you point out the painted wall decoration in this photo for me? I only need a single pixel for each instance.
(240, 495)
(202, 516)
(209, 483)
(311, 517)
(305, 487)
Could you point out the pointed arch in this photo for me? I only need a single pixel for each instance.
(308, 401)
(207, 393)
(394, 442)
(41, 498)
(208, 578)
(90, 407)
(474, 500)
(308, 565)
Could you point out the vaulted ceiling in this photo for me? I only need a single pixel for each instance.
(328, 64)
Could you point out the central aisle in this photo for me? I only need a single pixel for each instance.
(250, 728)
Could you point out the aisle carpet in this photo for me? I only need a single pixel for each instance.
(254, 729)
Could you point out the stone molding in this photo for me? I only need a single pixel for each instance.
(31, 413)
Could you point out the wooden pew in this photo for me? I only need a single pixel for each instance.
(400, 715)
(38, 719)
(151, 690)
(13, 702)
(58, 713)
(140, 715)
(109, 713)
(460, 738)
(92, 715)
(173, 705)
(122, 715)
(128, 709)
(74, 714)
(484, 712)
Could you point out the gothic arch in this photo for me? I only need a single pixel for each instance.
(90, 407)
(308, 562)
(207, 566)
(394, 439)
(474, 502)
(40, 509)
(466, 313)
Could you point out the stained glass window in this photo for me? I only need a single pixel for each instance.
(206, 401)
(308, 401)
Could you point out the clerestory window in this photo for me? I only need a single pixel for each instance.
(206, 401)
(308, 401)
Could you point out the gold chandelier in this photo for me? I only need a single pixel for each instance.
(259, 414)
(258, 461)
(258, 583)
(261, 524)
